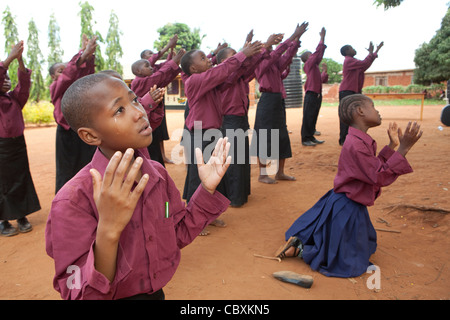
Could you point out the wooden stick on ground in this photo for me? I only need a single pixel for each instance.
(412, 206)
(387, 230)
(266, 257)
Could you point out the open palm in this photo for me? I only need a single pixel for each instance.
(212, 172)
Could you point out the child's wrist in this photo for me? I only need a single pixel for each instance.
(211, 191)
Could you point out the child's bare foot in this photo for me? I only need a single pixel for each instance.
(218, 223)
(204, 233)
(266, 179)
(283, 176)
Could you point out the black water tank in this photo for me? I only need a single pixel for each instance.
(293, 85)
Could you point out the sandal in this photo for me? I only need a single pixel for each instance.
(292, 242)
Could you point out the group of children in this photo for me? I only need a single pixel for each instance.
(117, 225)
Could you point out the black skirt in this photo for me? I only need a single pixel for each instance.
(198, 140)
(271, 115)
(72, 154)
(18, 196)
(238, 174)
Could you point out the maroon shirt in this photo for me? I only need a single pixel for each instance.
(270, 72)
(361, 173)
(155, 113)
(160, 78)
(149, 246)
(204, 95)
(353, 73)
(71, 73)
(235, 95)
(12, 103)
(314, 78)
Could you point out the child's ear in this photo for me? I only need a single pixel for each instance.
(89, 136)
(360, 111)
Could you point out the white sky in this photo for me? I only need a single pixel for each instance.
(355, 22)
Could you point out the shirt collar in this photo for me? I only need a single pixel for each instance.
(361, 135)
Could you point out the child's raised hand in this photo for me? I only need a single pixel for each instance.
(409, 138)
(249, 37)
(173, 41)
(16, 50)
(91, 46)
(393, 132)
(251, 49)
(379, 46)
(274, 39)
(157, 94)
(178, 56)
(212, 172)
(113, 196)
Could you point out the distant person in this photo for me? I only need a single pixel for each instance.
(336, 236)
(313, 91)
(161, 133)
(271, 108)
(71, 153)
(18, 196)
(235, 103)
(353, 77)
(145, 79)
(202, 83)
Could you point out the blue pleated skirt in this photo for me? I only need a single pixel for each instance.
(337, 235)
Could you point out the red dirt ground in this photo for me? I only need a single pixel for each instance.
(414, 262)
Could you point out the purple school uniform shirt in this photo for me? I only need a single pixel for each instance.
(160, 78)
(12, 103)
(204, 95)
(314, 78)
(235, 93)
(149, 246)
(270, 71)
(361, 173)
(353, 73)
(71, 73)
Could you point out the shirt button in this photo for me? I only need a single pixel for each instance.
(150, 238)
(154, 276)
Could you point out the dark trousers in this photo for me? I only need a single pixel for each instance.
(311, 108)
(343, 128)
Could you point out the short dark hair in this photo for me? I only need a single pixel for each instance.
(221, 55)
(344, 49)
(144, 52)
(349, 104)
(76, 104)
(53, 68)
(304, 56)
(186, 61)
(136, 66)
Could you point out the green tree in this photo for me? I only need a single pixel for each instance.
(87, 29)
(333, 68)
(433, 59)
(54, 42)
(36, 60)
(55, 52)
(113, 48)
(187, 39)
(11, 38)
(388, 3)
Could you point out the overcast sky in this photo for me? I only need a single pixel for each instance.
(355, 22)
